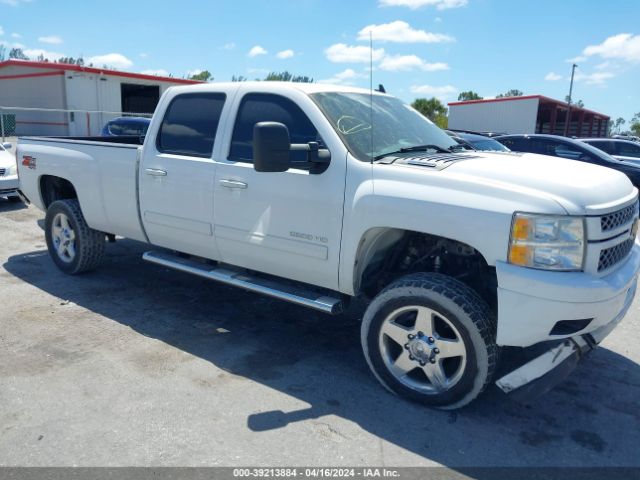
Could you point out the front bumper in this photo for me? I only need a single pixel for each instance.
(9, 185)
(539, 375)
(531, 302)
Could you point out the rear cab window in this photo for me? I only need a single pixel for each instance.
(190, 124)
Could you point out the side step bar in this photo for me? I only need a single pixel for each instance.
(268, 287)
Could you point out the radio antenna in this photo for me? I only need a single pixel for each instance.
(371, 89)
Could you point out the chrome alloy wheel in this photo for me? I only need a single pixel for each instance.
(64, 238)
(422, 349)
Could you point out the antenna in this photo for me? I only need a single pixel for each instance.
(371, 88)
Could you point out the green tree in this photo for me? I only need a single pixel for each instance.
(617, 125)
(511, 93)
(203, 76)
(470, 95)
(433, 109)
(287, 77)
(3, 53)
(635, 124)
(239, 78)
(579, 103)
(18, 54)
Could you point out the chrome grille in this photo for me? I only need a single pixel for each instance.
(610, 256)
(617, 219)
(2, 172)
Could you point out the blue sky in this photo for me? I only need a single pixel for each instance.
(422, 48)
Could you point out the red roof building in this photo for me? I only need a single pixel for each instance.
(45, 98)
(527, 114)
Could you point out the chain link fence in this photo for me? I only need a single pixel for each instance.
(21, 121)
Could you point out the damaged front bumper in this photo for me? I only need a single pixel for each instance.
(545, 371)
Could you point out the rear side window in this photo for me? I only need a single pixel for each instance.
(260, 107)
(628, 149)
(190, 124)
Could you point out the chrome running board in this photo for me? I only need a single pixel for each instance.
(266, 286)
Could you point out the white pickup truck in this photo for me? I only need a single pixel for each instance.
(319, 194)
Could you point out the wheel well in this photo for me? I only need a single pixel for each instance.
(386, 254)
(55, 188)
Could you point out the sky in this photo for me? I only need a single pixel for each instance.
(421, 48)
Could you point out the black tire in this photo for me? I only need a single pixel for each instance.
(466, 315)
(89, 244)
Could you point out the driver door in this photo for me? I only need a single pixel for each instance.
(286, 224)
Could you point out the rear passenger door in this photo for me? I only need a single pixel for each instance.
(177, 174)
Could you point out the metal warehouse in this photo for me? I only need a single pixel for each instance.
(527, 114)
(92, 97)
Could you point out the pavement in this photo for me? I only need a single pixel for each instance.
(137, 365)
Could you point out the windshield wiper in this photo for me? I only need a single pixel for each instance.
(416, 148)
(460, 147)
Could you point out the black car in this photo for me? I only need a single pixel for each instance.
(477, 141)
(564, 147)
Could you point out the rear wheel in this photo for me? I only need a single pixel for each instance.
(431, 338)
(73, 245)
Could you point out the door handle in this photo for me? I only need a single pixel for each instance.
(233, 184)
(154, 172)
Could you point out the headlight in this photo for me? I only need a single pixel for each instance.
(547, 242)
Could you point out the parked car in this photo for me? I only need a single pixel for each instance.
(572, 149)
(322, 194)
(9, 182)
(632, 138)
(620, 149)
(126, 126)
(477, 141)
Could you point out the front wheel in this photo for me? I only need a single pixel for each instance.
(430, 338)
(73, 245)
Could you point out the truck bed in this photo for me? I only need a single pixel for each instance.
(103, 170)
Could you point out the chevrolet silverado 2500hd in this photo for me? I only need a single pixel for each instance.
(319, 194)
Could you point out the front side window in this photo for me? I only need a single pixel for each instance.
(190, 124)
(375, 125)
(604, 146)
(263, 107)
(516, 144)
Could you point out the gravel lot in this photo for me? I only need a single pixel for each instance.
(137, 365)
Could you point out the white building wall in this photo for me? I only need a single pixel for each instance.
(35, 92)
(508, 116)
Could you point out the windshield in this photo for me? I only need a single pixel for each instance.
(387, 127)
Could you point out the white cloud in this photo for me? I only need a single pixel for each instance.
(623, 46)
(229, 46)
(51, 40)
(401, 32)
(34, 53)
(604, 65)
(443, 93)
(113, 60)
(438, 19)
(578, 59)
(143, 55)
(1, 30)
(16, 35)
(342, 53)
(403, 63)
(257, 50)
(552, 77)
(345, 77)
(596, 78)
(158, 73)
(285, 54)
(14, 3)
(415, 4)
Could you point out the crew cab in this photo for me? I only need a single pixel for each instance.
(321, 195)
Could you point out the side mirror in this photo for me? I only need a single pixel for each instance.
(7, 146)
(271, 145)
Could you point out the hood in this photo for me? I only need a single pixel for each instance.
(527, 180)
